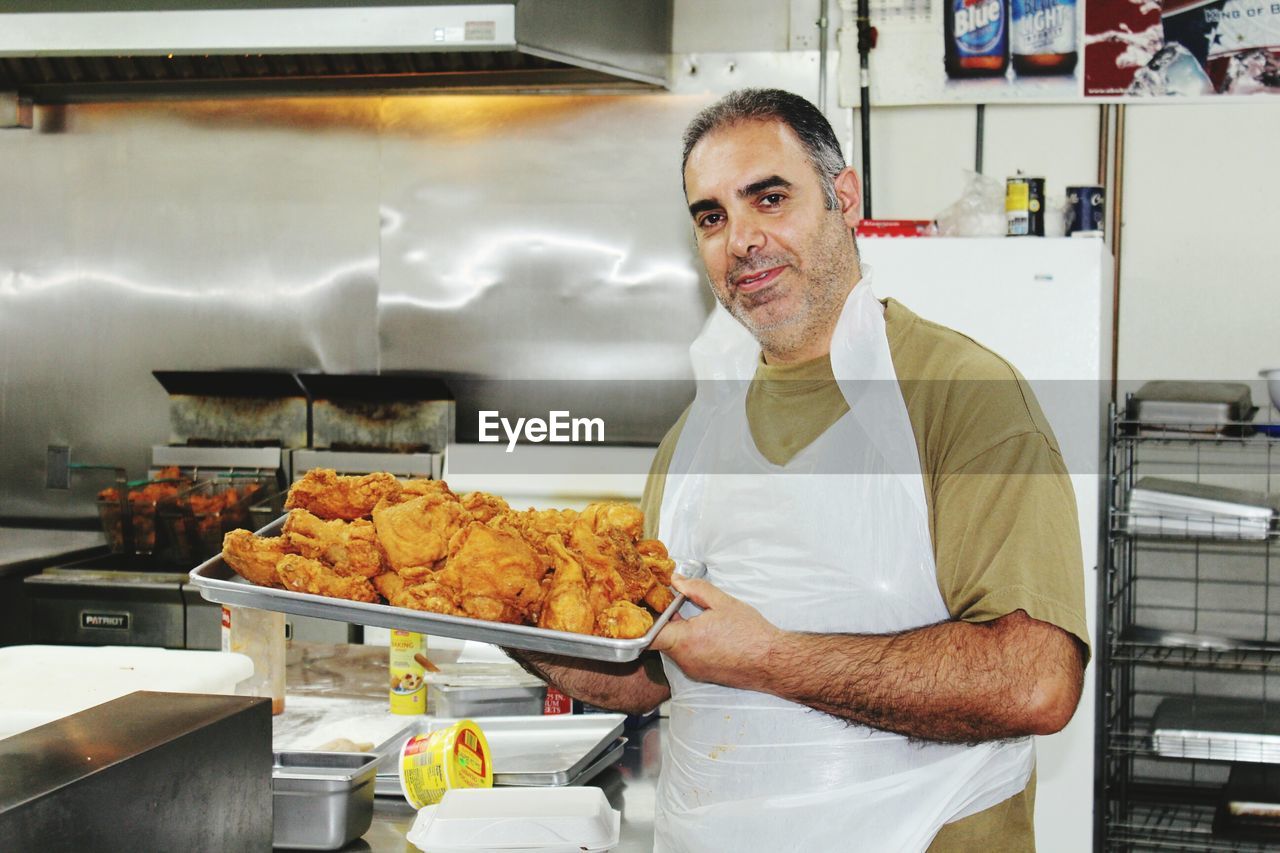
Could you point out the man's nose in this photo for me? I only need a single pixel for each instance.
(745, 235)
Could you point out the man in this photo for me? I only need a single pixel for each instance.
(894, 599)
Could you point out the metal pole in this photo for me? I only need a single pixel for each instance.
(864, 56)
(1117, 234)
(979, 137)
(822, 55)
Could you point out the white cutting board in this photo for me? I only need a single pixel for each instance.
(39, 684)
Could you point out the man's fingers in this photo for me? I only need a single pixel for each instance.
(700, 592)
(671, 633)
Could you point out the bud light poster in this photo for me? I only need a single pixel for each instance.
(1138, 49)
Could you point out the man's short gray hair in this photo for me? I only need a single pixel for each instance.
(805, 120)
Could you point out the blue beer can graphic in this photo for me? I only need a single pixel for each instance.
(979, 29)
(1086, 211)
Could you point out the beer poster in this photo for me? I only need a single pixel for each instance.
(1065, 51)
(1142, 49)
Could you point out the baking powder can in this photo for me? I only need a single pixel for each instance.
(408, 687)
(1086, 211)
(1024, 206)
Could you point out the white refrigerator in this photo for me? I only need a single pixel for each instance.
(1045, 305)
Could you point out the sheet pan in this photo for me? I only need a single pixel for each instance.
(542, 752)
(218, 583)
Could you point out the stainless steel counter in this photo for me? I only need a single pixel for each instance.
(28, 547)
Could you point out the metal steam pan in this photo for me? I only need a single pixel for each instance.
(217, 582)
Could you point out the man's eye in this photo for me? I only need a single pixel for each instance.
(772, 200)
(710, 220)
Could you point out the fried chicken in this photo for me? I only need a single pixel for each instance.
(349, 547)
(604, 583)
(415, 534)
(623, 620)
(613, 515)
(254, 558)
(566, 606)
(411, 489)
(497, 573)
(388, 584)
(301, 574)
(654, 556)
(484, 506)
(326, 494)
(431, 595)
(427, 549)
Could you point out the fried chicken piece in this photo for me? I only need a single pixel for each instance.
(604, 584)
(614, 515)
(254, 558)
(623, 620)
(416, 488)
(349, 547)
(415, 534)
(534, 526)
(326, 494)
(565, 606)
(497, 574)
(654, 556)
(301, 574)
(484, 506)
(388, 584)
(431, 595)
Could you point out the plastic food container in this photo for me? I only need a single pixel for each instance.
(526, 819)
(322, 800)
(447, 759)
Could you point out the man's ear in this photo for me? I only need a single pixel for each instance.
(849, 195)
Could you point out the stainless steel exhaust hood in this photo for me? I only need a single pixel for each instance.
(78, 49)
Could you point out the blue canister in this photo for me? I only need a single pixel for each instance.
(1086, 211)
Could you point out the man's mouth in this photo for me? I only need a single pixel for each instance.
(757, 280)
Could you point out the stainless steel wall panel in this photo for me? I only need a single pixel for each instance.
(518, 236)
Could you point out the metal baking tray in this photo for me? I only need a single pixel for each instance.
(541, 752)
(217, 582)
(1216, 729)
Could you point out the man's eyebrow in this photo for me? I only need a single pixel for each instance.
(769, 183)
(753, 188)
(702, 206)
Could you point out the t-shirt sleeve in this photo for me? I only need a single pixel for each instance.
(1007, 537)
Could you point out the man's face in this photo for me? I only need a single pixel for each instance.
(777, 259)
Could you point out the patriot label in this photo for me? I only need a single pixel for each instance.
(1043, 26)
(979, 26)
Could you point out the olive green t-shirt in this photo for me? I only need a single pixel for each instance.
(1002, 512)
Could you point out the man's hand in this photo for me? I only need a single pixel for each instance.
(727, 643)
(952, 681)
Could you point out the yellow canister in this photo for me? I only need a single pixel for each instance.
(408, 690)
(453, 757)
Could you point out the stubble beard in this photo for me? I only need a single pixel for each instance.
(819, 291)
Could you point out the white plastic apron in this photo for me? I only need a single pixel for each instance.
(817, 552)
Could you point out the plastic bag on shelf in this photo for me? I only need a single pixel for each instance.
(979, 212)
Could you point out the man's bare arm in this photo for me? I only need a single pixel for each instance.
(952, 681)
(634, 687)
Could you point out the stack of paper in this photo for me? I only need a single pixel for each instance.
(1176, 508)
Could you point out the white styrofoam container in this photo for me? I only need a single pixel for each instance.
(46, 683)
(469, 820)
